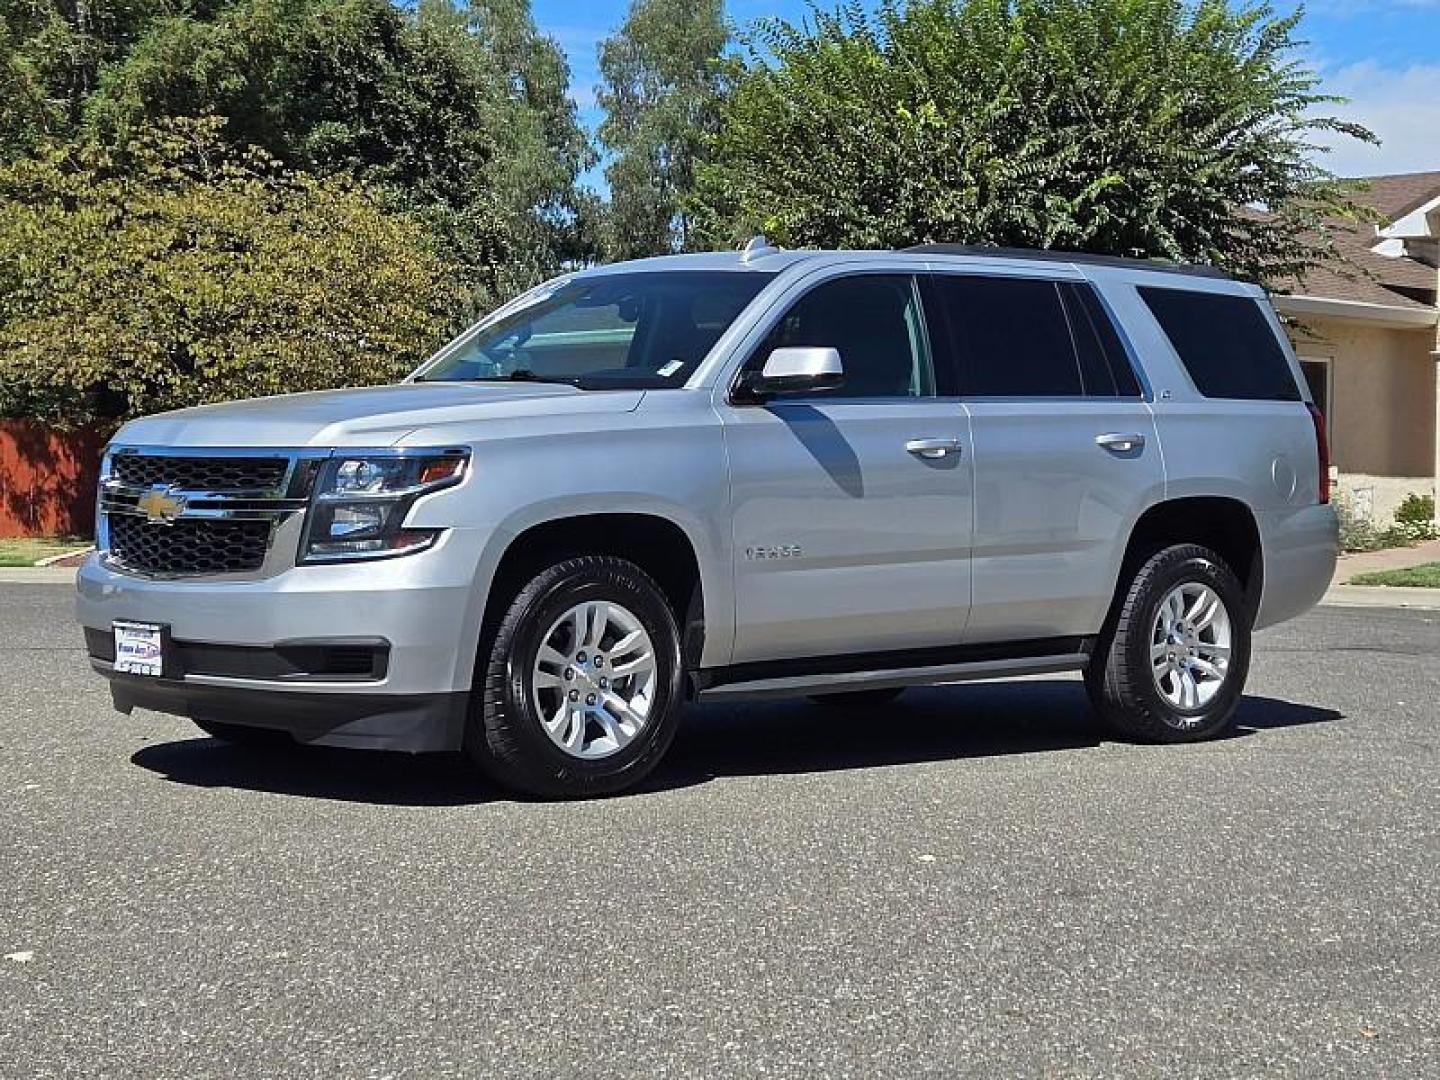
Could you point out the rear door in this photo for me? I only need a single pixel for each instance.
(1065, 452)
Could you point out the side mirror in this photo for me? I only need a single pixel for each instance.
(808, 370)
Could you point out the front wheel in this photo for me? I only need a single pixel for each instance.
(583, 682)
(1171, 664)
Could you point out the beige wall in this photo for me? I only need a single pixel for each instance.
(1382, 398)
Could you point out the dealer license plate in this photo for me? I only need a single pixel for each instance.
(139, 648)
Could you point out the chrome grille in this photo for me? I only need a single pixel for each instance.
(214, 474)
(189, 546)
(171, 514)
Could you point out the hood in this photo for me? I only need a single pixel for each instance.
(374, 416)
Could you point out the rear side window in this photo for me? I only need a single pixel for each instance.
(1011, 336)
(1225, 343)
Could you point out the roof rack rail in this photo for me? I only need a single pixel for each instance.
(1082, 257)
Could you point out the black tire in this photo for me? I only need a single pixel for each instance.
(1120, 678)
(506, 737)
(859, 699)
(251, 738)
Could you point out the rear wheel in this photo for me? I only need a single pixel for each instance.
(1171, 664)
(859, 699)
(582, 682)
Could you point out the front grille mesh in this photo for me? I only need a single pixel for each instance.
(200, 473)
(188, 546)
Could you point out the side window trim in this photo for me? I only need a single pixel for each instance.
(773, 321)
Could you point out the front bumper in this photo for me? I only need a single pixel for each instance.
(419, 613)
(410, 723)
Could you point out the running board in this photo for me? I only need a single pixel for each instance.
(892, 678)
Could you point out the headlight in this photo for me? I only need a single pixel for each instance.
(360, 502)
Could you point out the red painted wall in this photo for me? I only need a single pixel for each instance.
(47, 479)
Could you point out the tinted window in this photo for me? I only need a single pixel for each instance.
(1011, 336)
(1094, 327)
(641, 329)
(1225, 343)
(874, 322)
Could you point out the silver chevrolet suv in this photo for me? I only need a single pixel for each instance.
(729, 476)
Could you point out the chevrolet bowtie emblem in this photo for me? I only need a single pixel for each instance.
(159, 506)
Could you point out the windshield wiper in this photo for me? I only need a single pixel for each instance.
(526, 375)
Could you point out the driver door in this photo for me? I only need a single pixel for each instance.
(852, 508)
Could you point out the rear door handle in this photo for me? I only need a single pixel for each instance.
(933, 449)
(1121, 444)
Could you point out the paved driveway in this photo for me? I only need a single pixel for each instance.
(970, 883)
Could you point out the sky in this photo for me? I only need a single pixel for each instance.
(1382, 54)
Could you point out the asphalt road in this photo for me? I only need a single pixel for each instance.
(973, 883)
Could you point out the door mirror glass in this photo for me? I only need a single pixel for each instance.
(796, 370)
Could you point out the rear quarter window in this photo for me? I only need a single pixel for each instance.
(1226, 344)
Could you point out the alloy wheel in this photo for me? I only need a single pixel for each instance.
(1190, 644)
(594, 680)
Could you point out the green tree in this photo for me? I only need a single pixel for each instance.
(51, 52)
(460, 112)
(664, 73)
(179, 272)
(1167, 128)
(544, 146)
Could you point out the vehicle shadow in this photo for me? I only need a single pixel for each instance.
(318, 772)
(772, 738)
(926, 724)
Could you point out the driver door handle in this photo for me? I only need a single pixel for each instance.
(933, 449)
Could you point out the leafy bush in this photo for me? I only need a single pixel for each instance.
(1414, 523)
(178, 272)
(1415, 520)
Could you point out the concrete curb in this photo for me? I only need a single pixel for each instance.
(1379, 596)
(56, 559)
(37, 575)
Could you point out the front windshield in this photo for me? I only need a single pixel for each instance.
(611, 331)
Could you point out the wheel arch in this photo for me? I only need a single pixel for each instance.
(1225, 525)
(655, 541)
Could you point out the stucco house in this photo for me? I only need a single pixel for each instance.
(1369, 341)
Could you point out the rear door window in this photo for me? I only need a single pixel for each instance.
(1011, 336)
(1226, 344)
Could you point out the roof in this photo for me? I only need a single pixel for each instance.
(1395, 196)
(1396, 282)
